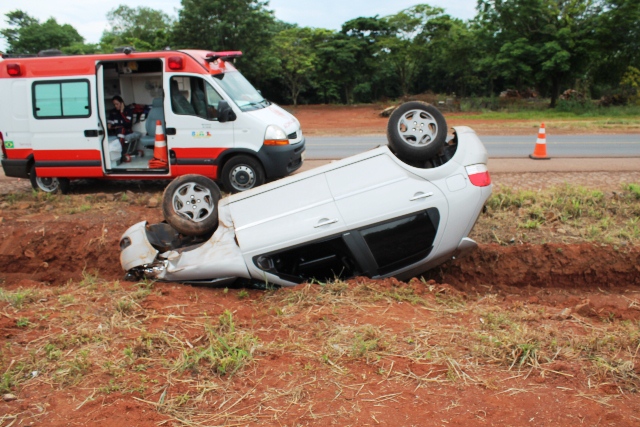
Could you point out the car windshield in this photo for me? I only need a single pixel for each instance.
(241, 91)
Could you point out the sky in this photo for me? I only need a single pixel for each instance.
(89, 16)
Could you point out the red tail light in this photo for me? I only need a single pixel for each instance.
(479, 175)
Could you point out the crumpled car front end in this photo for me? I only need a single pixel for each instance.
(158, 252)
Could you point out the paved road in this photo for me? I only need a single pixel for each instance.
(497, 146)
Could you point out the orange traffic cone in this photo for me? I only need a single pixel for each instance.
(160, 159)
(540, 152)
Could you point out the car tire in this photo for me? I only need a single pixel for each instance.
(48, 185)
(190, 205)
(242, 173)
(416, 131)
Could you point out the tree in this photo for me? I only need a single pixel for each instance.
(142, 27)
(294, 52)
(452, 55)
(618, 35)
(26, 35)
(407, 48)
(362, 42)
(548, 42)
(220, 25)
(336, 65)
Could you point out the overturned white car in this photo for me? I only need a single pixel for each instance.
(372, 215)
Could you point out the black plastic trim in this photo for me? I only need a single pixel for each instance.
(60, 164)
(206, 162)
(360, 249)
(16, 168)
(138, 171)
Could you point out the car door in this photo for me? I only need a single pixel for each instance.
(284, 217)
(377, 189)
(393, 215)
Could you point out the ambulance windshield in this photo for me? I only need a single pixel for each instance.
(241, 91)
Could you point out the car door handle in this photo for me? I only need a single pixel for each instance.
(420, 195)
(325, 221)
(170, 131)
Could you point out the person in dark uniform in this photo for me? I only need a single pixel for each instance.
(120, 124)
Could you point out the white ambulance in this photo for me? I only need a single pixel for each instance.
(54, 112)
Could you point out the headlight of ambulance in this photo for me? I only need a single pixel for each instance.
(275, 136)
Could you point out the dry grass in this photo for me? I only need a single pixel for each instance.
(190, 366)
(567, 214)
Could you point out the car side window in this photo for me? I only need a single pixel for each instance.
(324, 261)
(193, 96)
(401, 242)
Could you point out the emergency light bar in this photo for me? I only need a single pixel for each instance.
(214, 56)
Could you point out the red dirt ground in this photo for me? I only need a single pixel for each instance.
(301, 373)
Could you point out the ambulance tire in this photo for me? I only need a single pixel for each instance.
(416, 131)
(48, 185)
(241, 173)
(190, 205)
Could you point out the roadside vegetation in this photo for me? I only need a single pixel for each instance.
(579, 51)
(567, 214)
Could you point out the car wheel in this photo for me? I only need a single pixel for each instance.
(242, 173)
(416, 131)
(48, 185)
(190, 205)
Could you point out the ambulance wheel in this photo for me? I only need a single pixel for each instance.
(190, 205)
(242, 173)
(48, 185)
(416, 131)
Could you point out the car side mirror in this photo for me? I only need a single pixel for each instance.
(225, 113)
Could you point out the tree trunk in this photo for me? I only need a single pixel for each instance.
(555, 92)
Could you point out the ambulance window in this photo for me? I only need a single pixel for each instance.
(61, 99)
(194, 97)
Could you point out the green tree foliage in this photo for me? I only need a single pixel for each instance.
(144, 28)
(407, 48)
(618, 36)
(362, 42)
(219, 25)
(26, 35)
(546, 43)
(549, 45)
(294, 52)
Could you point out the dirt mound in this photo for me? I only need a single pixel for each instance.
(53, 249)
(549, 265)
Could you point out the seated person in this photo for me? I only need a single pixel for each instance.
(120, 124)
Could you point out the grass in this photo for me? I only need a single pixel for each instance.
(562, 214)
(525, 109)
(201, 356)
(223, 351)
(266, 349)
(19, 297)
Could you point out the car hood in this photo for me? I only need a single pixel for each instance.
(276, 115)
